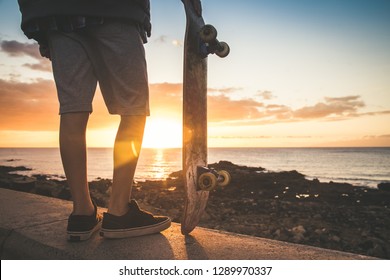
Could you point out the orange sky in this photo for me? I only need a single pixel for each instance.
(29, 112)
(304, 75)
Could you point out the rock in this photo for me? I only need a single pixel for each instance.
(298, 233)
(176, 175)
(320, 231)
(384, 186)
(335, 238)
(248, 206)
(48, 188)
(378, 249)
(24, 183)
(375, 247)
(317, 216)
(101, 185)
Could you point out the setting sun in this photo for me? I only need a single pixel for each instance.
(326, 86)
(162, 133)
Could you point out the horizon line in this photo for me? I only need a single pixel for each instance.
(218, 147)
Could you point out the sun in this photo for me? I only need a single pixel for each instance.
(159, 133)
(162, 133)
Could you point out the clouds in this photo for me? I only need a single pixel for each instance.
(166, 99)
(223, 109)
(34, 106)
(249, 111)
(28, 106)
(331, 108)
(16, 49)
(164, 39)
(336, 109)
(233, 113)
(252, 112)
(265, 94)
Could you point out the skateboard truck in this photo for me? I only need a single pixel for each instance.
(209, 178)
(209, 43)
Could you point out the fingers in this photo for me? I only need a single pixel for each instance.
(44, 51)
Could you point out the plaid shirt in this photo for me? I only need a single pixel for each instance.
(37, 29)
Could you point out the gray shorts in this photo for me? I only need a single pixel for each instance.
(111, 54)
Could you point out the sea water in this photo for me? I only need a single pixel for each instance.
(358, 166)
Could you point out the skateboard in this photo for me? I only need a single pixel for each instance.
(200, 41)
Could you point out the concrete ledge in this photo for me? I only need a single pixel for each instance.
(33, 227)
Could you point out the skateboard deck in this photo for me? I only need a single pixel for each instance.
(195, 116)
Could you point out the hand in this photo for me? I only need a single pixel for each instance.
(44, 51)
(197, 6)
(146, 31)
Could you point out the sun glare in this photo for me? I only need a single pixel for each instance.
(162, 133)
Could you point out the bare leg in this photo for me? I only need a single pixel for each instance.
(74, 160)
(127, 148)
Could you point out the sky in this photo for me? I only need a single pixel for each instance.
(300, 74)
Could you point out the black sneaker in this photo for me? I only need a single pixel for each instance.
(135, 222)
(81, 227)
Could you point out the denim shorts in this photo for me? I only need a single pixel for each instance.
(111, 54)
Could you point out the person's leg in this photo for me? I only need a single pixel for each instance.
(85, 219)
(121, 68)
(76, 84)
(126, 152)
(74, 159)
(124, 217)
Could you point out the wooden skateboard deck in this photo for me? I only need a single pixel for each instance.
(195, 119)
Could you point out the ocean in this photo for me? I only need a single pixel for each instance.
(358, 166)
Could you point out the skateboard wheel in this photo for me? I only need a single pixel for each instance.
(223, 178)
(223, 49)
(208, 33)
(207, 181)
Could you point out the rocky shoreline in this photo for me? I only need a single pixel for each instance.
(277, 205)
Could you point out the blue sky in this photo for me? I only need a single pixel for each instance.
(300, 73)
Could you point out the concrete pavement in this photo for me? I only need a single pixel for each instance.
(33, 227)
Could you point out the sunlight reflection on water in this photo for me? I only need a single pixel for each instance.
(159, 168)
(359, 166)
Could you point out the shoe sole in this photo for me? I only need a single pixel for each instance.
(76, 236)
(134, 232)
